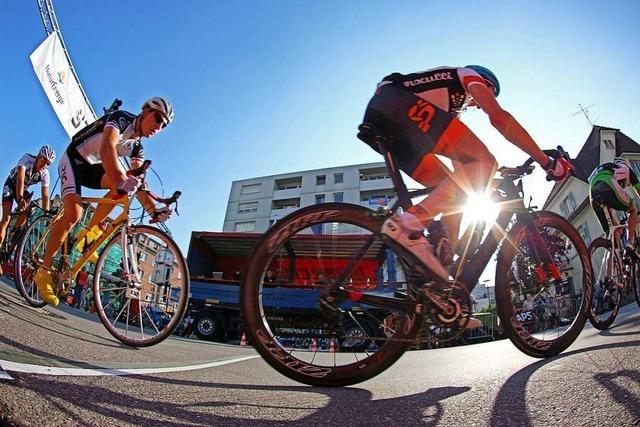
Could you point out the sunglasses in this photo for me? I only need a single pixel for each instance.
(160, 119)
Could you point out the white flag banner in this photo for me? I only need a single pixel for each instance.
(59, 83)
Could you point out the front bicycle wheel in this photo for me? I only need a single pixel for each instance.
(559, 308)
(608, 279)
(141, 286)
(28, 256)
(302, 294)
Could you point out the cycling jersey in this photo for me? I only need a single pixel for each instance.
(608, 185)
(30, 175)
(444, 87)
(618, 177)
(419, 111)
(81, 164)
(85, 145)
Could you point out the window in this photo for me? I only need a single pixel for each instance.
(249, 207)
(568, 205)
(584, 233)
(141, 273)
(319, 198)
(635, 165)
(338, 178)
(251, 188)
(338, 197)
(608, 143)
(321, 179)
(142, 257)
(245, 226)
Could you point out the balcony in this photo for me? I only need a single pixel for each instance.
(279, 213)
(286, 193)
(375, 179)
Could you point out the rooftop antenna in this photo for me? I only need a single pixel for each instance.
(585, 111)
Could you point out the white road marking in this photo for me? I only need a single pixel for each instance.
(96, 372)
(5, 376)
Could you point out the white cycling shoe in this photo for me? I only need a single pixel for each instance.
(408, 231)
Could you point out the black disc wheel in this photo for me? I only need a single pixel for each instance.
(543, 308)
(608, 278)
(302, 297)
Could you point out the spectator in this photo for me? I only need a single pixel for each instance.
(237, 276)
(269, 277)
(528, 303)
(552, 310)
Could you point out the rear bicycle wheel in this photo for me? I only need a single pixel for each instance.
(28, 256)
(302, 323)
(608, 277)
(143, 306)
(560, 306)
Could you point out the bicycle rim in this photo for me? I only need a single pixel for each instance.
(286, 297)
(142, 308)
(28, 255)
(608, 278)
(543, 316)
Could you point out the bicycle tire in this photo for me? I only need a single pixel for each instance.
(522, 338)
(597, 322)
(183, 299)
(635, 282)
(24, 266)
(254, 312)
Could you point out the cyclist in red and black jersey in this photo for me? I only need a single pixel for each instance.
(420, 112)
(91, 160)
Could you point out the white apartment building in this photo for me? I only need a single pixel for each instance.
(257, 203)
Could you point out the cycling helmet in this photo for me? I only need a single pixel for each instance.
(488, 75)
(622, 160)
(48, 153)
(162, 106)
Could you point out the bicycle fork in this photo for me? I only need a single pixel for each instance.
(130, 263)
(545, 268)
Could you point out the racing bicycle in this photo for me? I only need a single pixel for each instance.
(140, 279)
(361, 301)
(615, 273)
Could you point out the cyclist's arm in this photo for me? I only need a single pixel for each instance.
(506, 124)
(45, 198)
(20, 174)
(109, 155)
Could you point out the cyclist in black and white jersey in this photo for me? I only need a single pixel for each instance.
(91, 160)
(29, 171)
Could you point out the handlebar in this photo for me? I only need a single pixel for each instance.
(527, 167)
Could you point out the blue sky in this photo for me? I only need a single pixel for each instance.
(269, 87)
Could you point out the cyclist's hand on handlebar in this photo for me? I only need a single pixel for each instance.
(22, 204)
(161, 214)
(558, 169)
(129, 185)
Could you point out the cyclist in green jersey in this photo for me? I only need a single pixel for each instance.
(610, 184)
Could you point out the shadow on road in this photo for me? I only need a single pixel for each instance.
(350, 406)
(510, 405)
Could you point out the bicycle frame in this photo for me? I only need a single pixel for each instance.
(511, 204)
(112, 227)
(617, 242)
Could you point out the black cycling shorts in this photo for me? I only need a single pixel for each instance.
(75, 174)
(415, 124)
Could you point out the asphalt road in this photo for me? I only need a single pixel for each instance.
(61, 367)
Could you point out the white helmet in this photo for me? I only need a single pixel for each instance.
(160, 105)
(622, 160)
(48, 153)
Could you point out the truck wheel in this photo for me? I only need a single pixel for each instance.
(210, 328)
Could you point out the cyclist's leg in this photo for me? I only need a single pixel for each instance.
(101, 180)
(6, 217)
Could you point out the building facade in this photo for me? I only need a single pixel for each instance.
(257, 203)
(570, 198)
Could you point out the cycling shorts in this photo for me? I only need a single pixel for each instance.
(76, 173)
(602, 193)
(417, 126)
(9, 191)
